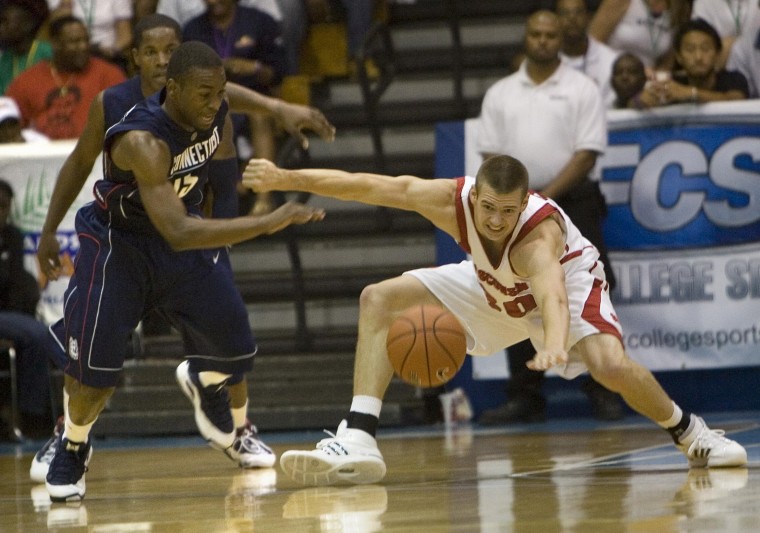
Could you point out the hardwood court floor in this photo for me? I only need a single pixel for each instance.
(573, 475)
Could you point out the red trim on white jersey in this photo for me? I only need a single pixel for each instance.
(461, 221)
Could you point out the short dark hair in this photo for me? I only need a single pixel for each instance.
(503, 173)
(190, 55)
(701, 25)
(6, 188)
(57, 25)
(153, 21)
(37, 10)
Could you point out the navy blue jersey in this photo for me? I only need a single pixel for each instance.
(117, 193)
(119, 99)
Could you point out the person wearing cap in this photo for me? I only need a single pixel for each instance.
(10, 124)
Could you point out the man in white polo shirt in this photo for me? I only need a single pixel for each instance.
(584, 53)
(552, 118)
(745, 53)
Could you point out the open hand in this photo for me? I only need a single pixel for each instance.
(295, 118)
(545, 359)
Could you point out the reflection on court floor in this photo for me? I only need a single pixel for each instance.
(565, 475)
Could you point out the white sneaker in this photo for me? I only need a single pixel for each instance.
(349, 456)
(249, 451)
(712, 449)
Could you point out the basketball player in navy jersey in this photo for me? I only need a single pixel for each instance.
(156, 37)
(532, 275)
(144, 244)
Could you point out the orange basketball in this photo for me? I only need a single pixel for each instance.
(426, 346)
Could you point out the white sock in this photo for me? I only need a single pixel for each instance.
(74, 432)
(240, 415)
(210, 377)
(674, 419)
(367, 404)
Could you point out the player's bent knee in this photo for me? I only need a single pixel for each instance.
(613, 375)
(377, 298)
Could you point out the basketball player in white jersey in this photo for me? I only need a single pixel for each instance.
(532, 275)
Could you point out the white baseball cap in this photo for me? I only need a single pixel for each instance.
(8, 109)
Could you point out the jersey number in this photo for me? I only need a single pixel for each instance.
(184, 184)
(517, 308)
(520, 306)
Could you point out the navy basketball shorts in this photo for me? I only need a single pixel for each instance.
(119, 276)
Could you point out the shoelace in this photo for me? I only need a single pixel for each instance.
(331, 445)
(50, 446)
(47, 457)
(710, 435)
(250, 442)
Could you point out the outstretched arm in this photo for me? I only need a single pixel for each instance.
(433, 199)
(71, 178)
(294, 117)
(606, 18)
(537, 258)
(149, 160)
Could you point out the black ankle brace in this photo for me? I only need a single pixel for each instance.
(363, 421)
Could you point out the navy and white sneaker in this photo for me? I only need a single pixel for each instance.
(65, 478)
(249, 451)
(212, 407)
(41, 461)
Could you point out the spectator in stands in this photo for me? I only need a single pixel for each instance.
(745, 54)
(697, 46)
(183, 11)
(290, 14)
(359, 15)
(729, 18)
(551, 117)
(20, 21)
(249, 42)
(108, 22)
(642, 27)
(19, 328)
(10, 124)
(54, 96)
(582, 52)
(628, 79)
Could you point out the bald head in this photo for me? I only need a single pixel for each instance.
(542, 16)
(543, 38)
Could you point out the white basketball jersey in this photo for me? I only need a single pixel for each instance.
(505, 290)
